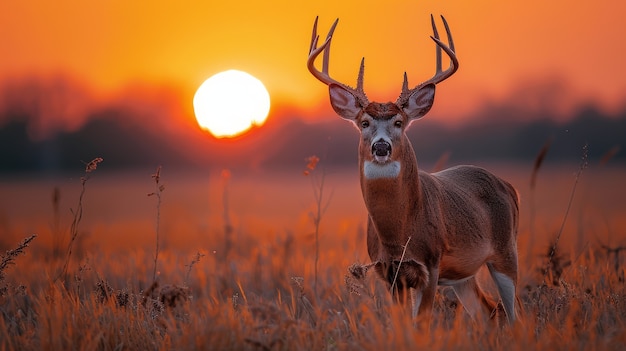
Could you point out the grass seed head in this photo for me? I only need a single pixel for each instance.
(93, 164)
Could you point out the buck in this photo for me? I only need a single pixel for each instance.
(424, 229)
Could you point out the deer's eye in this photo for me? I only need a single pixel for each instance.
(398, 124)
(365, 124)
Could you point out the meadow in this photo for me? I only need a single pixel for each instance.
(227, 260)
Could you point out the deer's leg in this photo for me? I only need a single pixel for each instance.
(416, 301)
(504, 274)
(407, 280)
(471, 297)
(428, 293)
(401, 295)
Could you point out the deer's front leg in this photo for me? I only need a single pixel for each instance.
(425, 297)
(411, 282)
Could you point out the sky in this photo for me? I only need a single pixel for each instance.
(505, 48)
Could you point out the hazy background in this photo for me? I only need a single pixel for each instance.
(116, 80)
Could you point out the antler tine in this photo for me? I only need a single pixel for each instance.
(314, 36)
(405, 84)
(323, 76)
(450, 41)
(449, 49)
(440, 75)
(437, 47)
(329, 38)
(314, 51)
(359, 80)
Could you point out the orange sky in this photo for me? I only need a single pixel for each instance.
(110, 45)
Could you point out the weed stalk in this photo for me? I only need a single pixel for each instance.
(196, 258)
(395, 277)
(157, 192)
(533, 181)
(320, 209)
(228, 226)
(581, 168)
(56, 222)
(78, 214)
(9, 257)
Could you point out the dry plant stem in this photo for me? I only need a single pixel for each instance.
(198, 256)
(582, 167)
(56, 226)
(228, 227)
(318, 192)
(533, 180)
(395, 277)
(158, 191)
(78, 215)
(615, 251)
(441, 162)
(9, 257)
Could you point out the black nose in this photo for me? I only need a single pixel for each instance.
(381, 148)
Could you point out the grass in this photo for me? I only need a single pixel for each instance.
(258, 291)
(553, 259)
(77, 215)
(317, 214)
(158, 192)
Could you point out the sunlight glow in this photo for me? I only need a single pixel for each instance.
(230, 103)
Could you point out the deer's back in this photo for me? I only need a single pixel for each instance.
(473, 205)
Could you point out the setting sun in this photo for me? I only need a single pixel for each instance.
(230, 103)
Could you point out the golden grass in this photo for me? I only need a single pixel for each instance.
(256, 290)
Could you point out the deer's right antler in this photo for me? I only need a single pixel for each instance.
(323, 76)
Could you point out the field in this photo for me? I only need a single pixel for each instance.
(253, 261)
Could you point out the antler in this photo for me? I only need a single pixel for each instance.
(323, 76)
(440, 75)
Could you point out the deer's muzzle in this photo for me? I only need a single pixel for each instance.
(381, 150)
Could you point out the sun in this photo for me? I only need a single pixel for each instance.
(230, 103)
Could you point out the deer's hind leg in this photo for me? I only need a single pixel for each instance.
(472, 297)
(505, 277)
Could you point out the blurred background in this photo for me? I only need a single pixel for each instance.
(116, 80)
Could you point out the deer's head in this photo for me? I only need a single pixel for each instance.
(382, 125)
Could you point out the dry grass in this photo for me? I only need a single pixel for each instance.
(158, 192)
(77, 216)
(9, 258)
(235, 309)
(257, 291)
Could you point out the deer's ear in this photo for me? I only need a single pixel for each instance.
(343, 102)
(420, 102)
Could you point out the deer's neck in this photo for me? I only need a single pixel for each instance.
(391, 193)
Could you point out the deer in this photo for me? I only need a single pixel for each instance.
(425, 230)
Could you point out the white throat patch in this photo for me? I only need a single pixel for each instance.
(373, 170)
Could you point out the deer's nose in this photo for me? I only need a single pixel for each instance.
(381, 148)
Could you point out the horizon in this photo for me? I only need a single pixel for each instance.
(116, 47)
(127, 136)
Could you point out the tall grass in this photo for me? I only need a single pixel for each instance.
(158, 192)
(55, 227)
(8, 259)
(585, 312)
(541, 155)
(552, 253)
(77, 216)
(321, 205)
(265, 296)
